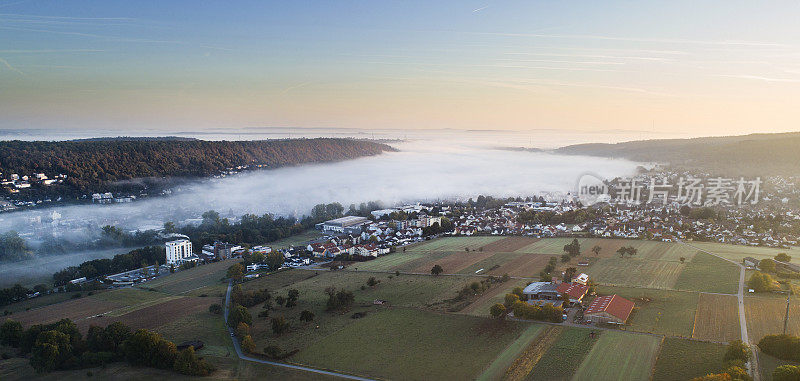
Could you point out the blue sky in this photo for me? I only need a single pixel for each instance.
(696, 67)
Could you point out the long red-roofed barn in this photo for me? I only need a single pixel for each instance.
(612, 309)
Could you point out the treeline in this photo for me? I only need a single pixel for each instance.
(13, 247)
(131, 260)
(748, 155)
(60, 346)
(91, 165)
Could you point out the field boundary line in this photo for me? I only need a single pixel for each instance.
(753, 367)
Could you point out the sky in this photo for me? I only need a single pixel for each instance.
(688, 68)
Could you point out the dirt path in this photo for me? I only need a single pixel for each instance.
(755, 370)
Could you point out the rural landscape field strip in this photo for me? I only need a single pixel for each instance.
(509, 244)
(456, 243)
(636, 272)
(765, 316)
(619, 356)
(562, 358)
(490, 264)
(717, 318)
(527, 358)
(388, 262)
(413, 345)
(507, 357)
(553, 246)
(681, 360)
(524, 265)
(455, 262)
(707, 273)
(737, 252)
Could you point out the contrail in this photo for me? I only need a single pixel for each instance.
(479, 9)
(10, 67)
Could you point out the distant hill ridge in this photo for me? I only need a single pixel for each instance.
(90, 163)
(745, 155)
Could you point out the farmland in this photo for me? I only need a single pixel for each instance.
(658, 311)
(552, 246)
(194, 279)
(620, 356)
(413, 344)
(675, 364)
(765, 316)
(453, 263)
(455, 243)
(635, 272)
(527, 342)
(717, 318)
(562, 358)
(708, 273)
(423, 332)
(737, 252)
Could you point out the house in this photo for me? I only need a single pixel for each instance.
(750, 262)
(369, 250)
(582, 279)
(612, 309)
(575, 291)
(541, 291)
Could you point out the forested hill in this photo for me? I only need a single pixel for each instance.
(89, 164)
(747, 155)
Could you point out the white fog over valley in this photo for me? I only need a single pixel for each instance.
(421, 170)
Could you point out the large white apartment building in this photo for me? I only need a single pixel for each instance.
(179, 251)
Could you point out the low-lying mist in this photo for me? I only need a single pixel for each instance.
(420, 171)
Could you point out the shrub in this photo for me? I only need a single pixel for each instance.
(215, 309)
(786, 347)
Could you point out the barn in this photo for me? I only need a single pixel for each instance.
(612, 309)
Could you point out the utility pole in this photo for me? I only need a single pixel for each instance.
(786, 318)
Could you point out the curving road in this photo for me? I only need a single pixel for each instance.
(755, 371)
(244, 357)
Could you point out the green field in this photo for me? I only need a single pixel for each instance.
(41, 301)
(197, 278)
(737, 252)
(455, 243)
(565, 355)
(658, 311)
(620, 356)
(495, 260)
(391, 261)
(554, 246)
(414, 291)
(708, 273)
(682, 360)
(413, 345)
(635, 272)
(498, 367)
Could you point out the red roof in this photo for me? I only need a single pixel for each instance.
(614, 305)
(574, 290)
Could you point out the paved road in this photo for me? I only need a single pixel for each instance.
(244, 357)
(755, 371)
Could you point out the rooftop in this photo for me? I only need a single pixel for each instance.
(614, 305)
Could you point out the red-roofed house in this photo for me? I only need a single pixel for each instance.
(612, 309)
(575, 291)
